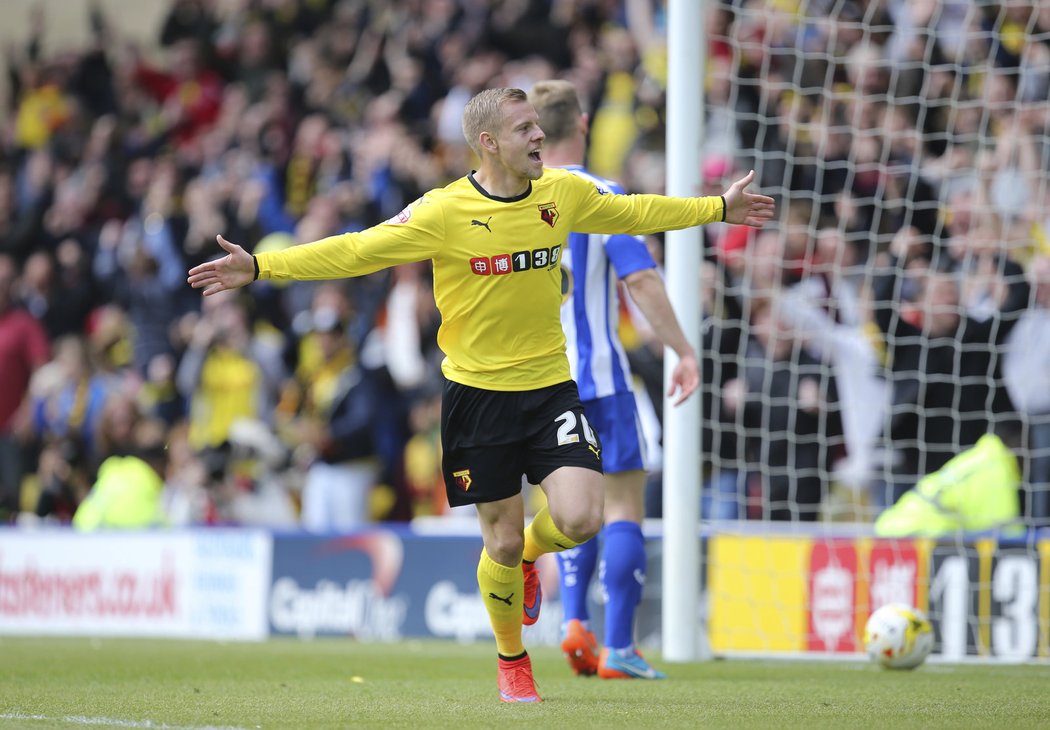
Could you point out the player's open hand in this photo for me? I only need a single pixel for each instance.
(232, 271)
(747, 208)
(685, 378)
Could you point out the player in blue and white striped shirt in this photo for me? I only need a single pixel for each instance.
(592, 270)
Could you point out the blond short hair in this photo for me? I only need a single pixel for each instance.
(484, 113)
(558, 107)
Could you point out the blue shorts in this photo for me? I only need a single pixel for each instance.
(615, 418)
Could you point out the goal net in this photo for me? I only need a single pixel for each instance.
(876, 397)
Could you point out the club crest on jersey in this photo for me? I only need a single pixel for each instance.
(463, 479)
(549, 213)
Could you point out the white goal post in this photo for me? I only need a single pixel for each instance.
(681, 493)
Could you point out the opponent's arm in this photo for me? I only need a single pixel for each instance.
(649, 293)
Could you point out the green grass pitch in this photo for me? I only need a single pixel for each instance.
(331, 683)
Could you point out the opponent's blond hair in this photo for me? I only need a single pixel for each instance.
(558, 107)
(484, 113)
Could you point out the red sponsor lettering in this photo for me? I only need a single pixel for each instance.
(501, 264)
(31, 592)
(480, 266)
(832, 596)
(894, 573)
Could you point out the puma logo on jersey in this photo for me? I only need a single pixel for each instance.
(596, 451)
(485, 225)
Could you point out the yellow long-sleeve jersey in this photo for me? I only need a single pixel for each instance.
(497, 278)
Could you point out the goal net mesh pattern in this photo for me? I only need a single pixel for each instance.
(891, 317)
(880, 355)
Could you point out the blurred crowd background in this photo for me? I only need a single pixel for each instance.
(895, 314)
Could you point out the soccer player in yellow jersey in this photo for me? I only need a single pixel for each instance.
(509, 408)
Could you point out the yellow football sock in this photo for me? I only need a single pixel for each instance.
(502, 588)
(541, 536)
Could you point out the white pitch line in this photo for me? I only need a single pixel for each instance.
(112, 722)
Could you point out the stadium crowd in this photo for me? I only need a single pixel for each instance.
(898, 312)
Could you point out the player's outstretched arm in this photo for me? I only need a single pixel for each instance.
(232, 271)
(746, 208)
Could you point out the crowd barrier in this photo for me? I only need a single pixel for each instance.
(765, 593)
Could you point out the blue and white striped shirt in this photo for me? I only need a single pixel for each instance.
(590, 311)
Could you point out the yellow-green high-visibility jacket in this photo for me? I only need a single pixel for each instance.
(975, 491)
(126, 494)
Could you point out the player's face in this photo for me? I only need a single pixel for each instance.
(520, 140)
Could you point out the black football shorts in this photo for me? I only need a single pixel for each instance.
(491, 438)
